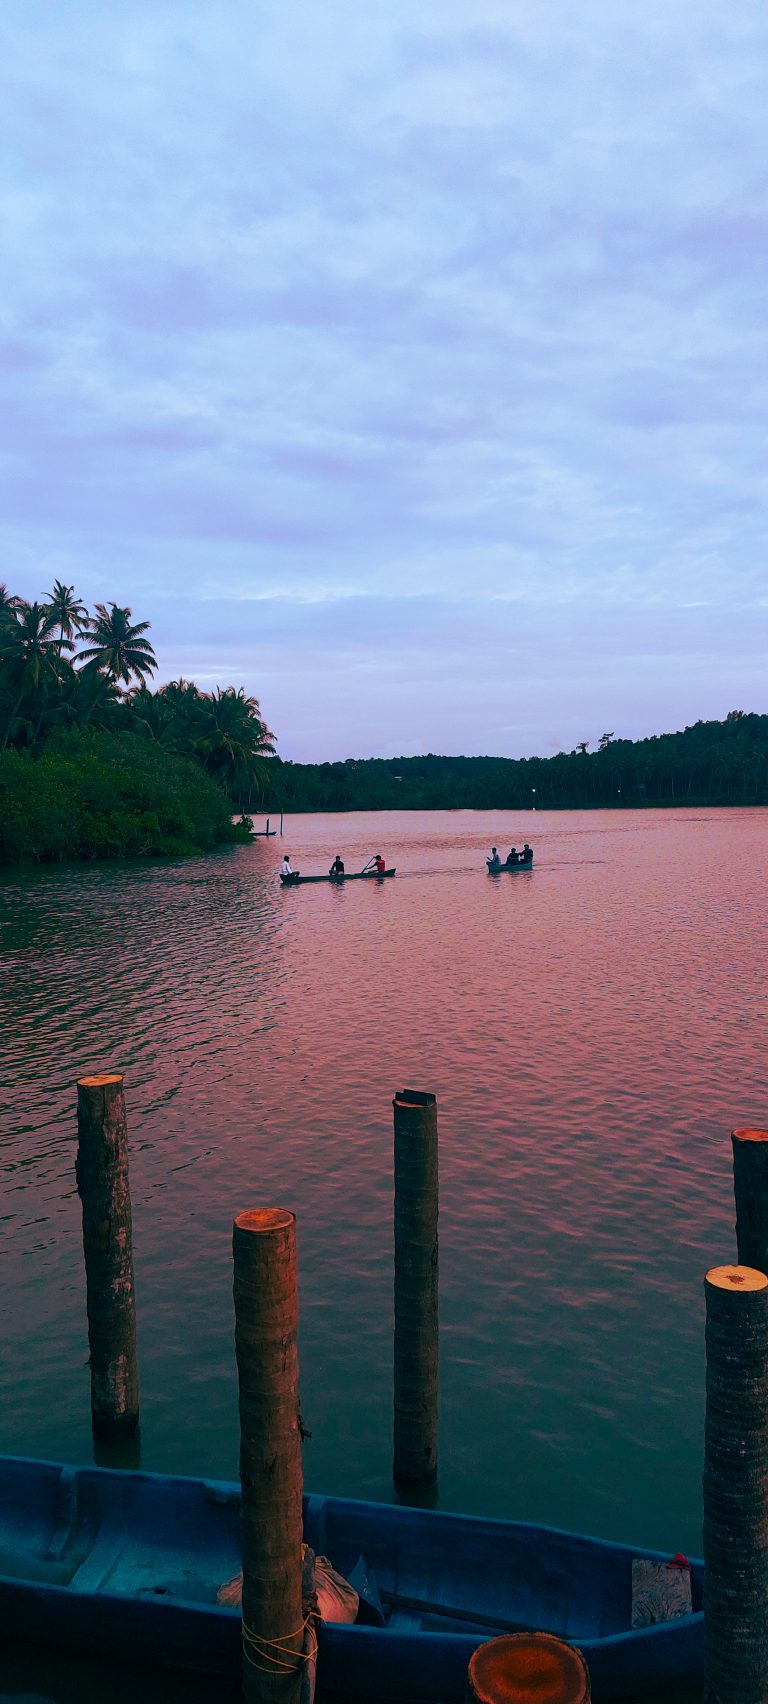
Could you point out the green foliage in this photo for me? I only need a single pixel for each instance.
(98, 795)
(64, 796)
(720, 763)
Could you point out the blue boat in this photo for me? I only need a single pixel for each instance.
(129, 1564)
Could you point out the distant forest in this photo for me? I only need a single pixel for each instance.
(711, 763)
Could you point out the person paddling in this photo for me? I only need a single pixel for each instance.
(379, 864)
(494, 862)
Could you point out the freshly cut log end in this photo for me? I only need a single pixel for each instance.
(265, 1219)
(101, 1082)
(527, 1668)
(737, 1279)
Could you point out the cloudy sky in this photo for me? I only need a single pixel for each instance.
(405, 364)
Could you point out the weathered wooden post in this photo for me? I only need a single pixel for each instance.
(750, 1187)
(527, 1668)
(416, 1289)
(736, 1487)
(102, 1182)
(266, 1323)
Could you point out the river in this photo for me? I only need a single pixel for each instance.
(592, 1031)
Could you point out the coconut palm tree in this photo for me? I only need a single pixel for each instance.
(71, 614)
(9, 606)
(232, 741)
(29, 655)
(118, 650)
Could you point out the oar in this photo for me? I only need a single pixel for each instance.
(368, 865)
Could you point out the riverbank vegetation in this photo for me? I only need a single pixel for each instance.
(93, 762)
(711, 763)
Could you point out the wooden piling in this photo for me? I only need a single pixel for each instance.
(102, 1182)
(416, 1289)
(266, 1323)
(527, 1668)
(736, 1487)
(750, 1187)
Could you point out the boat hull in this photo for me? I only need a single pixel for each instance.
(338, 881)
(129, 1564)
(509, 869)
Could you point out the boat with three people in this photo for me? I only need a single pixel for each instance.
(375, 870)
(514, 860)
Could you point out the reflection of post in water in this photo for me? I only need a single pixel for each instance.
(266, 1324)
(736, 1486)
(122, 1451)
(416, 1289)
(102, 1182)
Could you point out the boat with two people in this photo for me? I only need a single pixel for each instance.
(374, 870)
(514, 860)
(144, 1566)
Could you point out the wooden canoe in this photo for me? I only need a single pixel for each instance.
(296, 880)
(129, 1564)
(510, 869)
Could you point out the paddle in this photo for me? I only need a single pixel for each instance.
(369, 864)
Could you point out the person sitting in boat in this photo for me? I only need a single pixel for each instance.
(494, 862)
(337, 867)
(512, 855)
(527, 853)
(285, 867)
(379, 864)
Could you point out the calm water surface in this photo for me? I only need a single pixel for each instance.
(592, 1031)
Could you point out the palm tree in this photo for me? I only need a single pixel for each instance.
(118, 650)
(233, 741)
(30, 655)
(71, 614)
(9, 607)
(155, 715)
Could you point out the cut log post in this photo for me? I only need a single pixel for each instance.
(416, 1289)
(750, 1187)
(527, 1668)
(102, 1182)
(736, 1487)
(266, 1324)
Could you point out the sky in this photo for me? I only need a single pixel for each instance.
(405, 365)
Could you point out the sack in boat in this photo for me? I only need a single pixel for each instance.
(336, 1599)
(661, 1591)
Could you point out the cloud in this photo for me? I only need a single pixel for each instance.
(420, 347)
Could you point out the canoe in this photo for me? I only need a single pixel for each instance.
(129, 1564)
(349, 876)
(511, 869)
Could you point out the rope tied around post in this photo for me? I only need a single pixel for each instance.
(282, 1645)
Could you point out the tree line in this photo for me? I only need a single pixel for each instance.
(709, 763)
